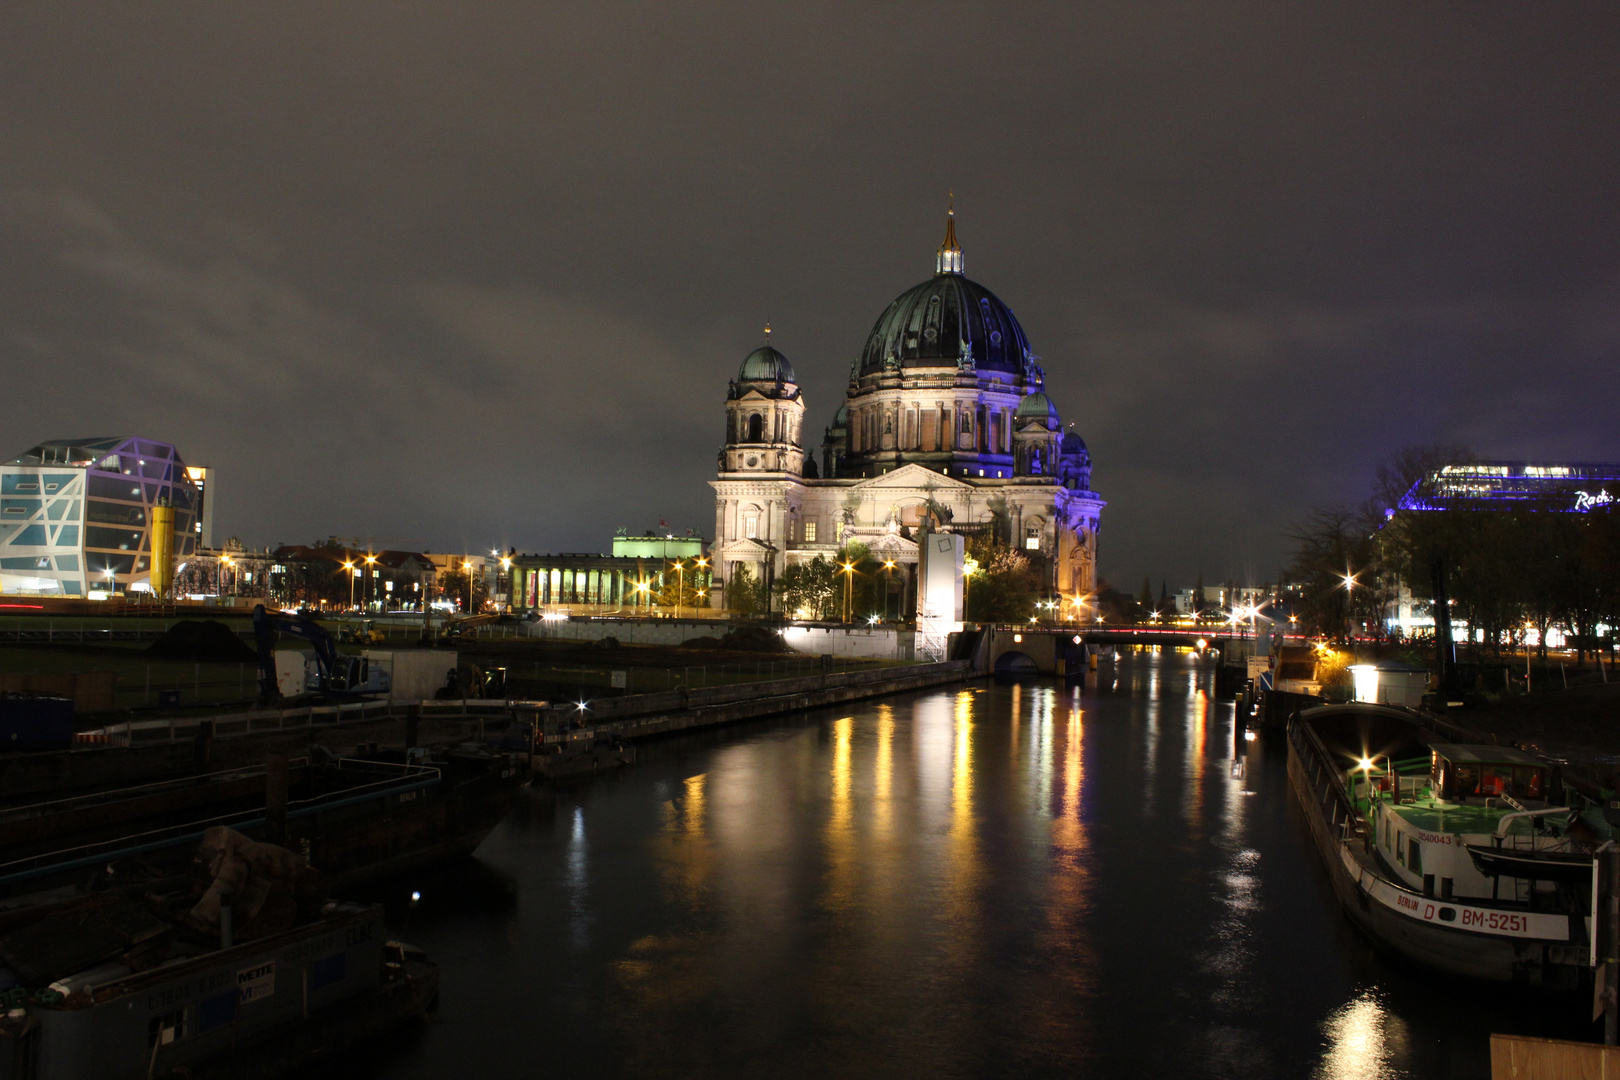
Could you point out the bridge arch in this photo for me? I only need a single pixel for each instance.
(1013, 662)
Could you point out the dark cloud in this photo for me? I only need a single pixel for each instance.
(477, 274)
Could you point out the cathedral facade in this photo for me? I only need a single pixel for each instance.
(946, 426)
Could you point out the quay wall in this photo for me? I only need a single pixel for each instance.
(177, 747)
(873, 643)
(647, 715)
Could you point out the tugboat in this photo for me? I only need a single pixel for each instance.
(1475, 860)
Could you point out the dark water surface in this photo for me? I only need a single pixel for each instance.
(990, 880)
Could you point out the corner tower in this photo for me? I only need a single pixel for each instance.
(764, 416)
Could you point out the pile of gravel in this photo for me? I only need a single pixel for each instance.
(203, 642)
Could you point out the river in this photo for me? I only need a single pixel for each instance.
(988, 880)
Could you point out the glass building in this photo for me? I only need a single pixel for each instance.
(1578, 487)
(75, 515)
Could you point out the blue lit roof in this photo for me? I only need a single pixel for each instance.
(1501, 485)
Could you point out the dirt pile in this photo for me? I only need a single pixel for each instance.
(202, 642)
(742, 639)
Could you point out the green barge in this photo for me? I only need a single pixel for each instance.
(1476, 860)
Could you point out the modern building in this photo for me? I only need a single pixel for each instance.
(946, 425)
(76, 515)
(1508, 485)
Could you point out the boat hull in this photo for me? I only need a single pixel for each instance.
(1465, 937)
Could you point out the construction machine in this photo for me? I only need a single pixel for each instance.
(363, 633)
(337, 675)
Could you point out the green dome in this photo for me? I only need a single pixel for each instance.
(765, 364)
(1038, 406)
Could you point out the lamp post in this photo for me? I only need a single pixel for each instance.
(349, 570)
(888, 584)
(969, 568)
(466, 567)
(1349, 586)
(680, 583)
(700, 563)
(371, 588)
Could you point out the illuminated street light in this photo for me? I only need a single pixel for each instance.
(349, 566)
(849, 582)
(969, 568)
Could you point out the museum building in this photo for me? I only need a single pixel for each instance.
(946, 425)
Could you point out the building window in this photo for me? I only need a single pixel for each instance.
(1032, 539)
(751, 525)
(809, 532)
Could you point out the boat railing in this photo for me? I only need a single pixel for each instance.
(158, 787)
(407, 778)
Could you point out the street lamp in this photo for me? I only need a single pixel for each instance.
(700, 563)
(680, 583)
(371, 562)
(1349, 586)
(969, 568)
(349, 566)
(466, 565)
(888, 584)
(849, 581)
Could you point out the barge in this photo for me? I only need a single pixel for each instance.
(353, 818)
(121, 986)
(1467, 859)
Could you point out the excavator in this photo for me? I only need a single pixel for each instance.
(337, 675)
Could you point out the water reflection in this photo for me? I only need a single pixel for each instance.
(1362, 1041)
(961, 883)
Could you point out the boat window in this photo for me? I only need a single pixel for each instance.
(1467, 780)
(1414, 857)
(1494, 779)
(1400, 848)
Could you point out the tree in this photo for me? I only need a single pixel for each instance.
(682, 589)
(1005, 587)
(745, 595)
(452, 585)
(810, 590)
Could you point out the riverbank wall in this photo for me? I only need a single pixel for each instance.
(647, 715)
(866, 642)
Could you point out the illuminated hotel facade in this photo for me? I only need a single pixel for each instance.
(946, 421)
(76, 514)
(1486, 486)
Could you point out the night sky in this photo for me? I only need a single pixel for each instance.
(475, 275)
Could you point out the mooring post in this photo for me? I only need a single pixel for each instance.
(275, 799)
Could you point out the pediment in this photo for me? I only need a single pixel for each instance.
(744, 548)
(912, 477)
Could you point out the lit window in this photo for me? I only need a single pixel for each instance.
(751, 526)
(809, 532)
(1032, 539)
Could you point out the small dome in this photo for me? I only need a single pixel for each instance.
(841, 417)
(1073, 444)
(1038, 406)
(765, 364)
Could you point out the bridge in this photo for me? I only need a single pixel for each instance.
(1063, 650)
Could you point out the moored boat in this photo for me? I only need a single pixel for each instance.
(1466, 858)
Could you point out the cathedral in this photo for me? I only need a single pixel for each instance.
(945, 426)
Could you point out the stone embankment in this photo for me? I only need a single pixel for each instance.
(643, 715)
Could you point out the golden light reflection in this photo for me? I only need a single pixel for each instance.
(963, 863)
(687, 854)
(840, 832)
(883, 780)
(1198, 721)
(1359, 1037)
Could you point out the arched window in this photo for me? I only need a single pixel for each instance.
(756, 428)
